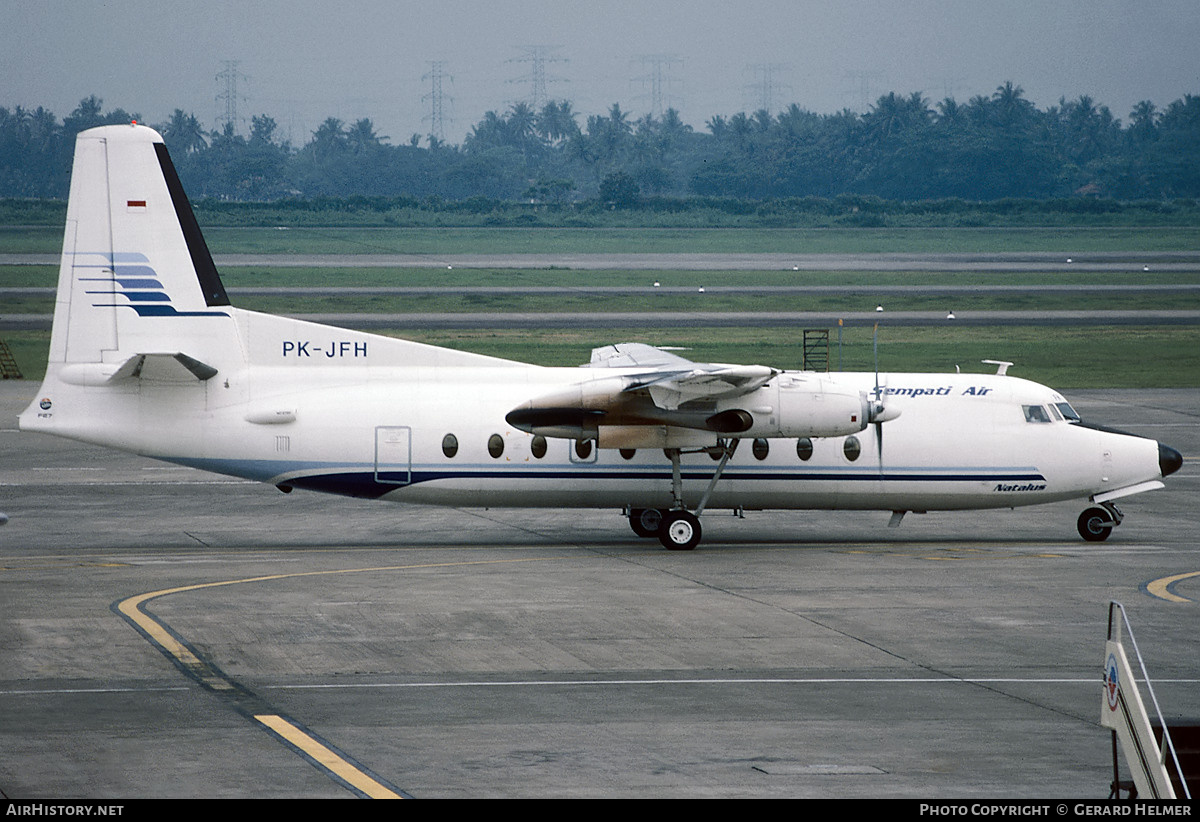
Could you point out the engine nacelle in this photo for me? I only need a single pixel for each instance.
(804, 405)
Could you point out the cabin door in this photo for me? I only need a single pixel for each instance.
(393, 454)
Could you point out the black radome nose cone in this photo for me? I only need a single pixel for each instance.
(1169, 460)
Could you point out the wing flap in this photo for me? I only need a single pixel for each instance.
(670, 391)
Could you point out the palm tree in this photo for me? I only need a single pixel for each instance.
(1143, 122)
(718, 126)
(328, 140)
(949, 111)
(521, 129)
(1013, 111)
(86, 115)
(609, 136)
(361, 136)
(490, 132)
(183, 133)
(556, 122)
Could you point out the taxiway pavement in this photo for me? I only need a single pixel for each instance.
(487, 653)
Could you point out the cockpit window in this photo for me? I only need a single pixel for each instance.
(1054, 412)
(1035, 413)
(1067, 411)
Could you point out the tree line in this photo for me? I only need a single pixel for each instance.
(904, 148)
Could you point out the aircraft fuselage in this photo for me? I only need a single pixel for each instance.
(439, 436)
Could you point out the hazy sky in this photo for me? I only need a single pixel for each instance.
(303, 61)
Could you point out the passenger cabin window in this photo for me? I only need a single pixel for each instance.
(761, 448)
(851, 448)
(449, 445)
(495, 446)
(804, 448)
(1035, 413)
(583, 449)
(537, 447)
(627, 453)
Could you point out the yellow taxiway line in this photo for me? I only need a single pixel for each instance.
(1161, 587)
(321, 755)
(327, 759)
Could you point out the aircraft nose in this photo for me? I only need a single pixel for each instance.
(1169, 460)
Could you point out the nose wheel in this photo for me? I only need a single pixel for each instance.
(1097, 524)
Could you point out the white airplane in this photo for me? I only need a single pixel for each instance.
(147, 355)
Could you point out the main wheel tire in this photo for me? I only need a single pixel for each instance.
(1096, 524)
(645, 521)
(680, 531)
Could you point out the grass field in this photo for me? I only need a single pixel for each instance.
(375, 277)
(1090, 357)
(1164, 356)
(434, 241)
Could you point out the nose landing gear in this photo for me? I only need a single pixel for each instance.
(1097, 524)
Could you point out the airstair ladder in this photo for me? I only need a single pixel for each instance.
(1153, 763)
(8, 365)
(816, 349)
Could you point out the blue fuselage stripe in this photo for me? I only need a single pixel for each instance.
(360, 480)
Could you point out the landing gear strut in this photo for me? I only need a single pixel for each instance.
(1097, 524)
(680, 529)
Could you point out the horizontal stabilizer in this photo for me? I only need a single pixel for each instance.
(168, 367)
(160, 367)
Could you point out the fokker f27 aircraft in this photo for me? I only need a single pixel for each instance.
(147, 355)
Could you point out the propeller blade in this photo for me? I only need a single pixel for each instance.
(875, 345)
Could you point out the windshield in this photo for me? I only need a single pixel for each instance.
(1067, 411)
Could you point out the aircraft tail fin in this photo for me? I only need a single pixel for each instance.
(136, 275)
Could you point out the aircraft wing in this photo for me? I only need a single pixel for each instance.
(635, 355)
(671, 390)
(673, 381)
(659, 393)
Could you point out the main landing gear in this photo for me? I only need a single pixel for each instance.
(1096, 524)
(679, 529)
(676, 530)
